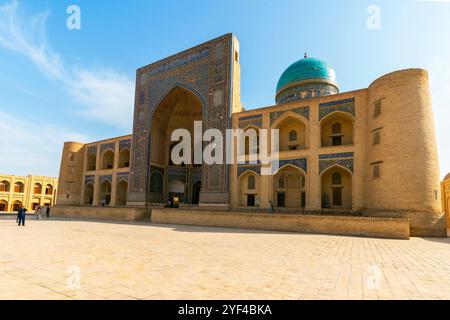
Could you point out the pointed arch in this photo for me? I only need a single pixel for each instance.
(294, 131)
(107, 158)
(249, 184)
(336, 129)
(337, 188)
(289, 187)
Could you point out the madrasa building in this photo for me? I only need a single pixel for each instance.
(369, 152)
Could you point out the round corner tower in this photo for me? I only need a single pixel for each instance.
(70, 174)
(403, 165)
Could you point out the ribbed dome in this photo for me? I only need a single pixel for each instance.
(306, 69)
(308, 74)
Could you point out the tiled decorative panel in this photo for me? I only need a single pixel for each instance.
(244, 168)
(345, 105)
(254, 120)
(205, 71)
(301, 163)
(342, 159)
(303, 111)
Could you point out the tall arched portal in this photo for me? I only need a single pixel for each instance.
(199, 83)
(178, 110)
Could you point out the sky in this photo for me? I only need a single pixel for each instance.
(59, 84)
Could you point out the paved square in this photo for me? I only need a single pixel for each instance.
(143, 261)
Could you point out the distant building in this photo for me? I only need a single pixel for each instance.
(370, 151)
(30, 192)
(445, 193)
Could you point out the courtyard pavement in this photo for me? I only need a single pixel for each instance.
(105, 260)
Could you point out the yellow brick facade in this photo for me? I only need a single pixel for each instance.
(30, 192)
(370, 152)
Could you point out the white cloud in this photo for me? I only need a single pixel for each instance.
(36, 145)
(106, 96)
(440, 90)
(29, 40)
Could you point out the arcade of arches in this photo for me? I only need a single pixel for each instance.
(29, 192)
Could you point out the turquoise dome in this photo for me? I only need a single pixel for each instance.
(305, 79)
(306, 69)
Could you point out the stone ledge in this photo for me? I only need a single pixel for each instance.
(394, 228)
(106, 213)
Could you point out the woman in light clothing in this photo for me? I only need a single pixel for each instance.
(39, 213)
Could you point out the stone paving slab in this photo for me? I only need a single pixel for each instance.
(48, 259)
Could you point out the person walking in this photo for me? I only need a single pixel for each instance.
(47, 211)
(39, 213)
(271, 206)
(103, 202)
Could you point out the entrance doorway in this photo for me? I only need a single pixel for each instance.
(196, 192)
(251, 200)
(337, 196)
(179, 109)
(281, 199)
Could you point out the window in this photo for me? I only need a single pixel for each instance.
(49, 189)
(376, 171)
(377, 109)
(4, 186)
(376, 137)
(251, 182)
(281, 183)
(71, 156)
(291, 148)
(337, 141)
(37, 188)
(18, 187)
(303, 182)
(336, 178)
(293, 135)
(236, 56)
(336, 128)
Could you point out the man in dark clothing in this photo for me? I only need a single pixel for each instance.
(22, 214)
(47, 211)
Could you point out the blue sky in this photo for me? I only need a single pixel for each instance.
(58, 84)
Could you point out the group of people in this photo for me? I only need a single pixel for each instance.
(22, 213)
(40, 210)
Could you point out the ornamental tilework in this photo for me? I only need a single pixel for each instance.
(301, 163)
(205, 71)
(89, 179)
(303, 111)
(337, 155)
(346, 163)
(106, 146)
(255, 168)
(255, 120)
(125, 144)
(105, 178)
(123, 176)
(92, 150)
(346, 105)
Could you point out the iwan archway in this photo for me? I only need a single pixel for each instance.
(202, 78)
(336, 187)
(180, 109)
